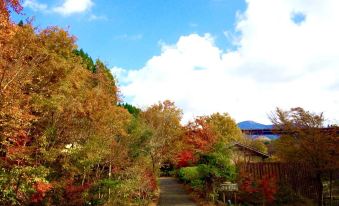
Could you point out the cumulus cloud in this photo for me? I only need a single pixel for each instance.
(34, 5)
(73, 6)
(278, 61)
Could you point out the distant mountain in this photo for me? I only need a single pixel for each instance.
(253, 125)
(256, 125)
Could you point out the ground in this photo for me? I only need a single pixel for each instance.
(172, 194)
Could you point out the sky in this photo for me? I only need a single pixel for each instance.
(243, 57)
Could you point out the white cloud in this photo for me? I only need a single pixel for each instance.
(119, 73)
(73, 6)
(278, 62)
(34, 5)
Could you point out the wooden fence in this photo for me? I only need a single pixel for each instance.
(298, 176)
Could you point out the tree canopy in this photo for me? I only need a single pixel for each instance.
(304, 141)
(64, 140)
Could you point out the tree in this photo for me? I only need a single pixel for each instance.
(131, 109)
(224, 128)
(163, 120)
(4, 10)
(86, 59)
(206, 131)
(199, 136)
(303, 140)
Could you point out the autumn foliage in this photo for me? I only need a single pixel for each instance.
(185, 158)
(41, 188)
(199, 135)
(258, 190)
(5, 5)
(66, 138)
(60, 120)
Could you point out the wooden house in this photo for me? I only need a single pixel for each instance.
(245, 154)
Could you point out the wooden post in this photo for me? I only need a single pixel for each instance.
(235, 198)
(320, 189)
(223, 197)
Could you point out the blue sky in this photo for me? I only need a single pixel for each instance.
(126, 33)
(243, 57)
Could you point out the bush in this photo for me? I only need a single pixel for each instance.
(258, 191)
(217, 166)
(192, 176)
(269, 192)
(286, 196)
(188, 174)
(197, 184)
(212, 169)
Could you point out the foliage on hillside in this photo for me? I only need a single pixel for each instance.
(63, 138)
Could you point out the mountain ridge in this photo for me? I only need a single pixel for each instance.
(253, 125)
(247, 125)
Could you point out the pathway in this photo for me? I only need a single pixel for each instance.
(172, 194)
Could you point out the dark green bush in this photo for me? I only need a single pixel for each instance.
(217, 166)
(286, 196)
(197, 184)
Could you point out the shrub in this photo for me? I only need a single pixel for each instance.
(286, 196)
(74, 194)
(188, 174)
(217, 166)
(197, 184)
(258, 191)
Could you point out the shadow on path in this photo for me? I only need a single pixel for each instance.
(172, 194)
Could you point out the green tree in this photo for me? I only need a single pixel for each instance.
(86, 60)
(131, 109)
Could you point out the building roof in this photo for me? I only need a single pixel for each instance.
(251, 150)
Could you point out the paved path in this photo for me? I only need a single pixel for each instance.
(172, 194)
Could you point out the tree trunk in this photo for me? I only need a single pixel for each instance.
(83, 178)
(153, 163)
(109, 176)
(320, 189)
(331, 178)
